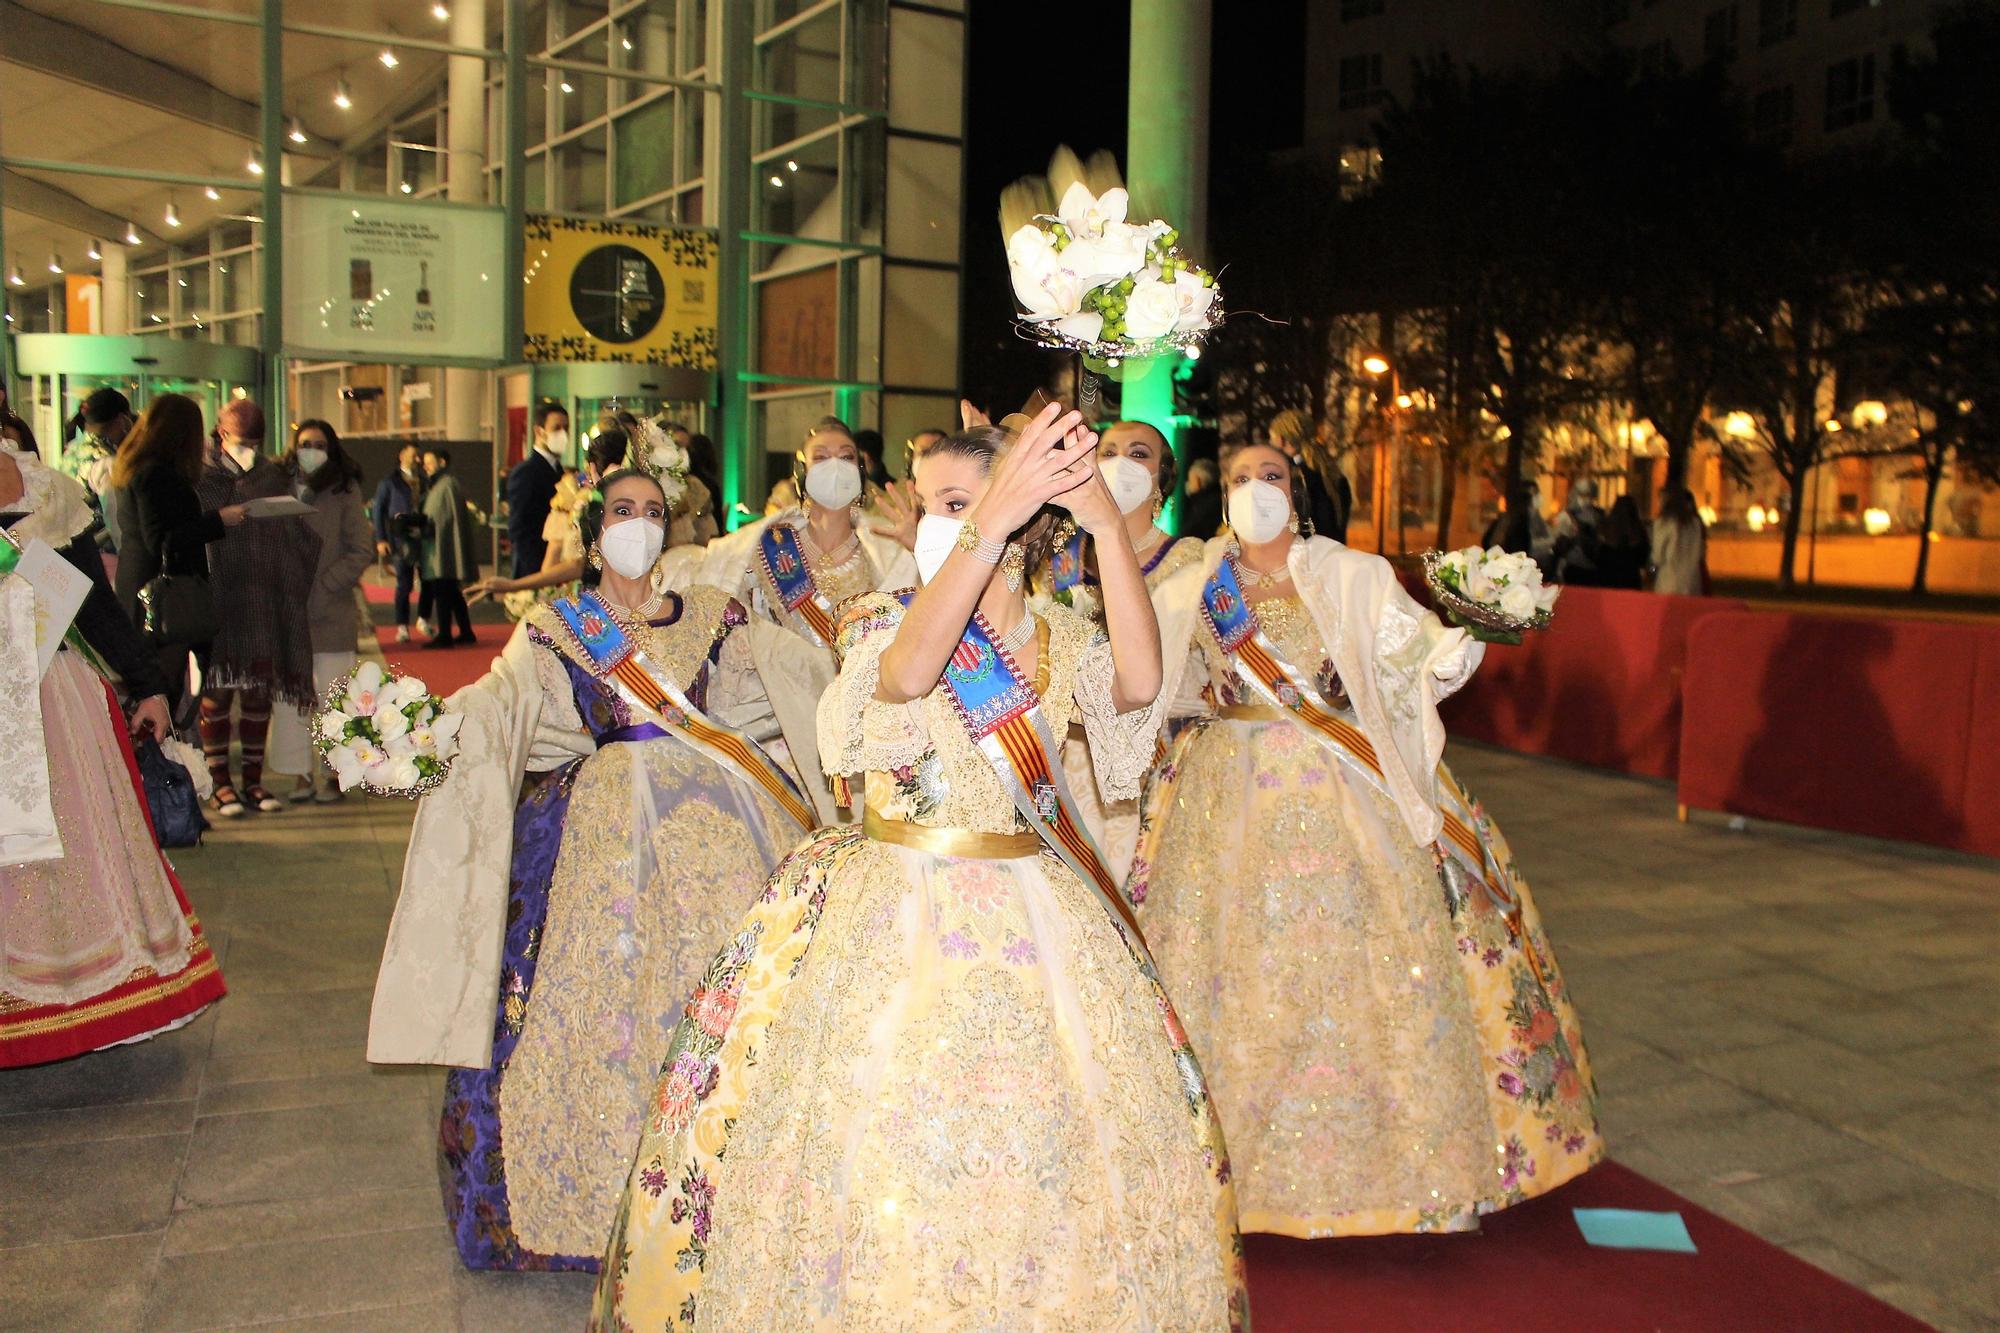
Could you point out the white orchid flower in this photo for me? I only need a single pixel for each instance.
(444, 734)
(1118, 254)
(1087, 327)
(1043, 286)
(354, 761)
(1086, 214)
(1150, 310)
(362, 694)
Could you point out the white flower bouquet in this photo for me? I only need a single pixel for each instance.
(661, 457)
(1092, 282)
(1497, 595)
(386, 732)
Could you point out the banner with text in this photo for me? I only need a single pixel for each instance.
(376, 279)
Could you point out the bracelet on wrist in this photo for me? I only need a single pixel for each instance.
(981, 548)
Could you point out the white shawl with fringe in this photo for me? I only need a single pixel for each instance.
(1396, 659)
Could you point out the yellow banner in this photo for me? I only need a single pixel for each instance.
(634, 292)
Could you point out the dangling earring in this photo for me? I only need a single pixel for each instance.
(1159, 503)
(1013, 566)
(596, 557)
(1293, 522)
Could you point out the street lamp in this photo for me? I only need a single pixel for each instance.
(1378, 365)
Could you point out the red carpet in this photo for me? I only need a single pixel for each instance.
(444, 669)
(1530, 1269)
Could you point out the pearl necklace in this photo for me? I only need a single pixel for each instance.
(643, 612)
(1017, 638)
(1255, 578)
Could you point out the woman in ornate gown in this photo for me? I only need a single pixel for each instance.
(1358, 961)
(932, 1082)
(98, 945)
(1138, 468)
(653, 759)
(798, 567)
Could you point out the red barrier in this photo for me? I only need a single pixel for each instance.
(1883, 727)
(1601, 686)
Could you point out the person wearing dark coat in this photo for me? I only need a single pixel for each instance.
(1201, 508)
(398, 516)
(166, 529)
(451, 554)
(531, 486)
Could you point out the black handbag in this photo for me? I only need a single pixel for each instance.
(179, 609)
(170, 795)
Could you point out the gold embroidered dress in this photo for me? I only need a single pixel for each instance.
(1385, 1055)
(632, 858)
(1114, 825)
(928, 1084)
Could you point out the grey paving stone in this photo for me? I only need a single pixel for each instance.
(523, 1302)
(324, 1150)
(231, 1226)
(96, 1285)
(130, 1120)
(84, 1190)
(294, 1279)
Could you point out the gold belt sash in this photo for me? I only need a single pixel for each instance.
(968, 843)
(1254, 713)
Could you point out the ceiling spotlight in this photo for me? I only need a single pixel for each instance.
(626, 42)
(407, 187)
(298, 134)
(778, 181)
(211, 192)
(388, 59)
(131, 234)
(14, 277)
(567, 87)
(255, 166)
(343, 96)
(96, 248)
(791, 165)
(173, 214)
(55, 262)
(441, 13)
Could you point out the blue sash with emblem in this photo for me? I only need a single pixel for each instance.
(792, 581)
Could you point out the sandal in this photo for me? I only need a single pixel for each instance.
(263, 800)
(226, 802)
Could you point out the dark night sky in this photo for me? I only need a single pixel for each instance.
(1019, 112)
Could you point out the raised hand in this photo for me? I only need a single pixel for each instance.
(1089, 501)
(899, 505)
(1036, 470)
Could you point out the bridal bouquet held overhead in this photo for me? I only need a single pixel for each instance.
(1496, 595)
(386, 732)
(1113, 290)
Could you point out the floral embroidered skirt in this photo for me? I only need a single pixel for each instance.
(926, 1092)
(99, 946)
(630, 869)
(1383, 1054)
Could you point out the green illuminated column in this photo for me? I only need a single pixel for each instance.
(1166, 161)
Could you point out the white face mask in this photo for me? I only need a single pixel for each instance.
(833, 483)
(632, 545)
(244, 455)
(1258, 511)
(1129, 482)
(557, 443)
(311, 460)
(937, 538)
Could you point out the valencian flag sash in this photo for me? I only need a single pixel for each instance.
(611, 655)
(791, 579)
(1003, 714)
(1235, 626)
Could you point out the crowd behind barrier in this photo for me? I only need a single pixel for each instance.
(1874, 725)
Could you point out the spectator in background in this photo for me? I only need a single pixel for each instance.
(1619, 546)
(262, 576)
(398, 513)
(451, 556)
(1201, 511)
(15, 431)
(1512, 528)
(868, 443)
(1576, 534)
(166, 529)
(100, 428)
(530, 488)
(572, 527)
(695, 521)
(1680, 546)
(325, 477)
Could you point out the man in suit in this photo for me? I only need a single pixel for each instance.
(532, 484)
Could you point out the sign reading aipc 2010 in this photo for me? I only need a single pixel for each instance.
(634, 292)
